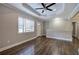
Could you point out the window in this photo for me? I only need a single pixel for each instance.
(29, 26)
(25, 25)
(20, 24)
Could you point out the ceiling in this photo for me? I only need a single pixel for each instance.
(57, 8)
(63, 10)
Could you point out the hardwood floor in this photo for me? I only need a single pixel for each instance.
(45, 46)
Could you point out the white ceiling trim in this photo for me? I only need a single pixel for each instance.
(76, 9)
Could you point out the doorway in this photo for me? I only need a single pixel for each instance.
(74, 28)
(38, 29)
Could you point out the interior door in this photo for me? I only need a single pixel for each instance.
(74, 28)
(38, 29)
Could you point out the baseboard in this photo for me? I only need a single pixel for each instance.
(58, 39)
(8, 47)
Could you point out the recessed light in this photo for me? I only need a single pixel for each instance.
(54, 9)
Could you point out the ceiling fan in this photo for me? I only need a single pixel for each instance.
(46, 7)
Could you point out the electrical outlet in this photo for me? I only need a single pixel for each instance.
(8, 41)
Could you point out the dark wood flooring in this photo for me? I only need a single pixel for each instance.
(45, 46)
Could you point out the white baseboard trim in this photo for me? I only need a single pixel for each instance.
(69, 40)
(8, 47)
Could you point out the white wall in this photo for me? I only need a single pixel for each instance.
(59, 28)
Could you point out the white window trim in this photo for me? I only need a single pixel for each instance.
(24, 25)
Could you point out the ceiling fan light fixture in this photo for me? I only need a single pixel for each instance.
(54, 9)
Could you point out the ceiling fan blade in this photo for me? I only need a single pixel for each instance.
(42, 11)
(43, 5)
(49, 9)
(38, 8)
(50, 5)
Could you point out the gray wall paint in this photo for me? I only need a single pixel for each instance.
(0, 32)
(9, 27)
